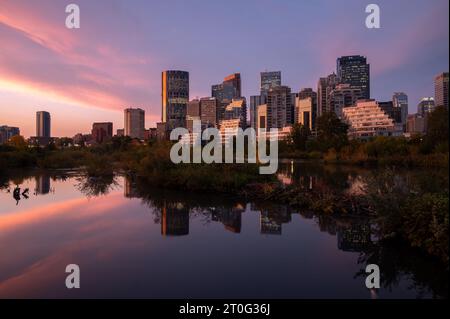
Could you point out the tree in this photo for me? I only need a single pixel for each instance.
(437, 126)
(331, 132)
(18, 142)
(299, 136)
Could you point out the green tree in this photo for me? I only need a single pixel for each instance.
(299, 136)
(331, 132)
(437, 129)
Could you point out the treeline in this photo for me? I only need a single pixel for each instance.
(332, 145)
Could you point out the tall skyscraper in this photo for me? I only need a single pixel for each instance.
(279, 107)
(225, 92)
(425, 106)
(355, 70)
(175, 97)
(324, 88)
(134, 121)
(102, 132)
(43, 124)
(441, 90)
(269, 80)
(400, 101)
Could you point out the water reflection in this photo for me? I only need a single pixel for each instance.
(42, 185)
(322, 256)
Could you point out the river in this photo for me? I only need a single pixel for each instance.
(142, 242)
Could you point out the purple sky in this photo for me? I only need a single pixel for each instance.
(116, 58)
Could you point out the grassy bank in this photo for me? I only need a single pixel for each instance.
(420, 218)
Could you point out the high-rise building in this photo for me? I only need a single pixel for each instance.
(225, 92)
(193, 108)
(237, 110)
(208, 111)
(400, 101)
(355, 70)
(324, 88)
(425, 106)
(261, 118)
(6, 132)
(102, 132)
(366, 119)
(304, 110)
(279, 107)
(441, 90)
(43, 124)
(305, 94)
(416, 124)
(255, 101)
(193, 114)
(343, 95)
(134, 120)
(175, 97)
(270, 79)
(395, 113)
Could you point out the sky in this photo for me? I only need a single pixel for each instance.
(115, 59)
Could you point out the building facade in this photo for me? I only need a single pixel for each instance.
(270, 79)
(225, 92)
(304, 112)
(400, 101)
(425, 106)
(175, 97)
(441, 90)
(43, 124)
(193, 108)
(237, 110)
(355, 71)
(102, 132)
(367, 119)
(255, 101)
(311, 96)
(279, 107)
(416, 124)
(208, 109)
(134, 120)
(342, 96)
(7, 132)
(324, 88)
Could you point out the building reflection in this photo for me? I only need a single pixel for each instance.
(42, 185)
(129, 188)
(231, 218)
(356, 238)
(174, 219)
(272, 219)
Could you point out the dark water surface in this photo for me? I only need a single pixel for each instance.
(131, 241)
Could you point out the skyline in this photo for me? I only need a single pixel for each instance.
(48, 67)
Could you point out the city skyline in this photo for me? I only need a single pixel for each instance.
(45, 67)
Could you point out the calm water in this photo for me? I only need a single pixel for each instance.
(134, 241)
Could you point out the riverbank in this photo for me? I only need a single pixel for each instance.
(418, 216)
